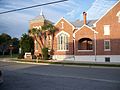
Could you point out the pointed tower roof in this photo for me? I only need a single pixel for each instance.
(41, 12)
(40, 18)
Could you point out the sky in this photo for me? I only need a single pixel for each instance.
(17, 23)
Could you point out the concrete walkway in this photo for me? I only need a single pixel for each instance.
(66, 63)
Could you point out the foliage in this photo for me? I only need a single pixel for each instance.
(45, 53)
(41, 34)
(6, 41)
(26, 44)
(15, 43)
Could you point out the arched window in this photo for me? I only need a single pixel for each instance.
(85, 44)
(62, 41)
(118, 15)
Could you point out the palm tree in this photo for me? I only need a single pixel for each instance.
(48, 29)
(40, 35)
(44, 33)
(52, 30)
(36, 33)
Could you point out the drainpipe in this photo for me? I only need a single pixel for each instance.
(74, 48)
(95, 45)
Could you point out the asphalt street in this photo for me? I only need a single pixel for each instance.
(18, 76)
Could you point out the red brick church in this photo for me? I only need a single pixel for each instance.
(87, 40)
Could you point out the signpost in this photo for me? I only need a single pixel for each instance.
(11, 49)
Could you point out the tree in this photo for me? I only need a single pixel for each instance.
(15, 43)
(4, 42)
(52, 30)
(27, 44)
(41, 34)
(7, 44)
(37, 35)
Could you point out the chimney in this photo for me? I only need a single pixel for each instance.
(85, 17)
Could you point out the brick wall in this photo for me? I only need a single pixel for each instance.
(69, 29)
(109, 19)
(84, 32)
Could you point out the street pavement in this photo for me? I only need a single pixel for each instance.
(19, 76)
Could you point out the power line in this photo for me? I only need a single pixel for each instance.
(33, 6)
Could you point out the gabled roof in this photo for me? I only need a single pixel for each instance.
(41, 18)
(106, 13)
(79, 23)
(66, 21)
(48, 21)
(87, 27)
(84, 25)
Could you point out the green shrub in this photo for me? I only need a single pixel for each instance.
(45, 53)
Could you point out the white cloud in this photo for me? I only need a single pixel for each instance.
(99, 7)
(74, 10)
(16, 23)
(73, 15)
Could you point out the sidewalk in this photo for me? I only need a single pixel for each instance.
(116, 63)
(62, 62)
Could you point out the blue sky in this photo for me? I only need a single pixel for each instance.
(17, 23)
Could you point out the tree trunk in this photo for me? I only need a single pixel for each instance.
(3, 52)
(41, 41)
(38, 42)
(44, 39)
(52, 44)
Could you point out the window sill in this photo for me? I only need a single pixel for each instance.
(62, 50)
(107, 50)
(85, 50)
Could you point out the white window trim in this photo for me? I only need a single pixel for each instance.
(85, 50)
(106, 32)
(118, 15)
(63, 32)
(62, 23)
(64, 45)
(37, 27)
(119, 19)
(62, 50)
(109, 46)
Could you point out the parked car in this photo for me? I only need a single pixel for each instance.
(1, 77)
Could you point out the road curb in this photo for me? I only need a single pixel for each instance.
(25, 62)
(62, 64)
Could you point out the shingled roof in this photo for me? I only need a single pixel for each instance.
(41, 18)
(79, 23)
